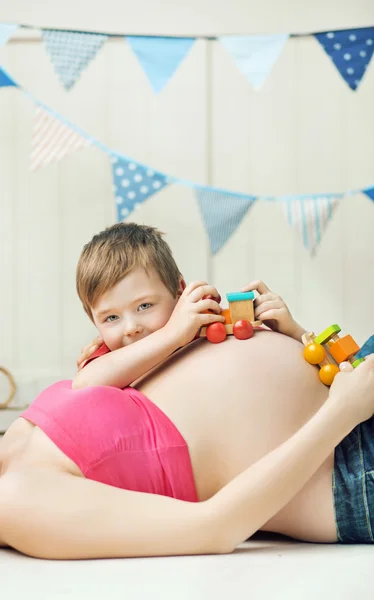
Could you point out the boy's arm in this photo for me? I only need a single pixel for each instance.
(121, 367)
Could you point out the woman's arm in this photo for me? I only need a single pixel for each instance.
(54, 515)
(247, 502)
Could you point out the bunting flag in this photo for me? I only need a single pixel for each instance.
(369, 192)
(222, 213)
(6, 80)
(160, 56)
(52, 140)
(133, 184)
(310, 216)
(254, 55)
(350, 51)
(70, 52)
(6, 32)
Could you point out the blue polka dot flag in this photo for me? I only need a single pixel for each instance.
(133, 184)
(70, 52)
(369, 192)
(350, 51)
(6, 80)
(222, 213)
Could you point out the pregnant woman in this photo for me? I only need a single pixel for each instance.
(229, 439)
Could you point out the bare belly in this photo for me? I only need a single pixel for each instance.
(259, 392)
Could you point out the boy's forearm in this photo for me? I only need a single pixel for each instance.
(245, 504)
(298, 332)
(121, 367)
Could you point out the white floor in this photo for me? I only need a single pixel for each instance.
(269, 568)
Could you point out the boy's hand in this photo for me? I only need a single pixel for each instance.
(190, 313)
(273, 311)
(88, 351)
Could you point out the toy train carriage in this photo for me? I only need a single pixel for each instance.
(239, 319)
(328, 350)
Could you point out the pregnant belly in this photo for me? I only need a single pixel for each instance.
(237, 401)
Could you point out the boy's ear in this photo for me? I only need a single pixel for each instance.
(181, 288)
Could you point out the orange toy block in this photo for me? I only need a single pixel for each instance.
(343, 348)
(225, 312)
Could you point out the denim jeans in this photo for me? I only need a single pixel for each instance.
(353, 479)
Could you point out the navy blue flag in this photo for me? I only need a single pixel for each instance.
(350, 51)
(133, 184)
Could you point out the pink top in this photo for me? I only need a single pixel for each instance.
(117, 437)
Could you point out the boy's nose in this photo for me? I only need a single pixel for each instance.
(132, 329)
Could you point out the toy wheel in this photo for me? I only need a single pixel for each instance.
(314, 353)
(242, 330)
(216, 333)
(327, 373)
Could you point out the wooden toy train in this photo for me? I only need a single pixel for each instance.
(239, 319)
(328, 350)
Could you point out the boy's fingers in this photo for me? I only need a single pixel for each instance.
(264, 298)
(257, 285)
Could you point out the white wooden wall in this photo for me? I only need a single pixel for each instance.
(305, 131)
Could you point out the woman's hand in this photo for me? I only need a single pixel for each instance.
(88, 351)
(273, 311)
(353, 390)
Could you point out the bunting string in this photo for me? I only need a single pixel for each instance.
(222, 210)
(70, 52)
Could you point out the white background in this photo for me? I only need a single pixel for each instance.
(305, 131)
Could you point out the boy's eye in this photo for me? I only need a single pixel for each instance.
(111, 318)
(144, 306)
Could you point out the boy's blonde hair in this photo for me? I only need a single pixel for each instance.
(114, 252)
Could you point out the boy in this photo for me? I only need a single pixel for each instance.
(132, 290)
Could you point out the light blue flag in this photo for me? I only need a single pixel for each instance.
(6, 80)
(254, 55)
(6, 32)
(369, 192)
(71, 52)
(160, 56)
(133, 184)
(222, 213)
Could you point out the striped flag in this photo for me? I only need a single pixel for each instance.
(310, 216)
(52, 140)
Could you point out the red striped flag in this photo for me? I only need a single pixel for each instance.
(310, 216)
(52, 140)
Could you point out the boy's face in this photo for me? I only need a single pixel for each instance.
(136, 306)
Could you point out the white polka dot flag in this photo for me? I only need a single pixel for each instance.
(52, 140)
(310, 216)
(254, 55)
(133, 184)
(222, 213)
(350, 51)
(160, 56)
(70, 52)
(6, 32)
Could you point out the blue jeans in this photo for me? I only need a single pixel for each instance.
(353, 480)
